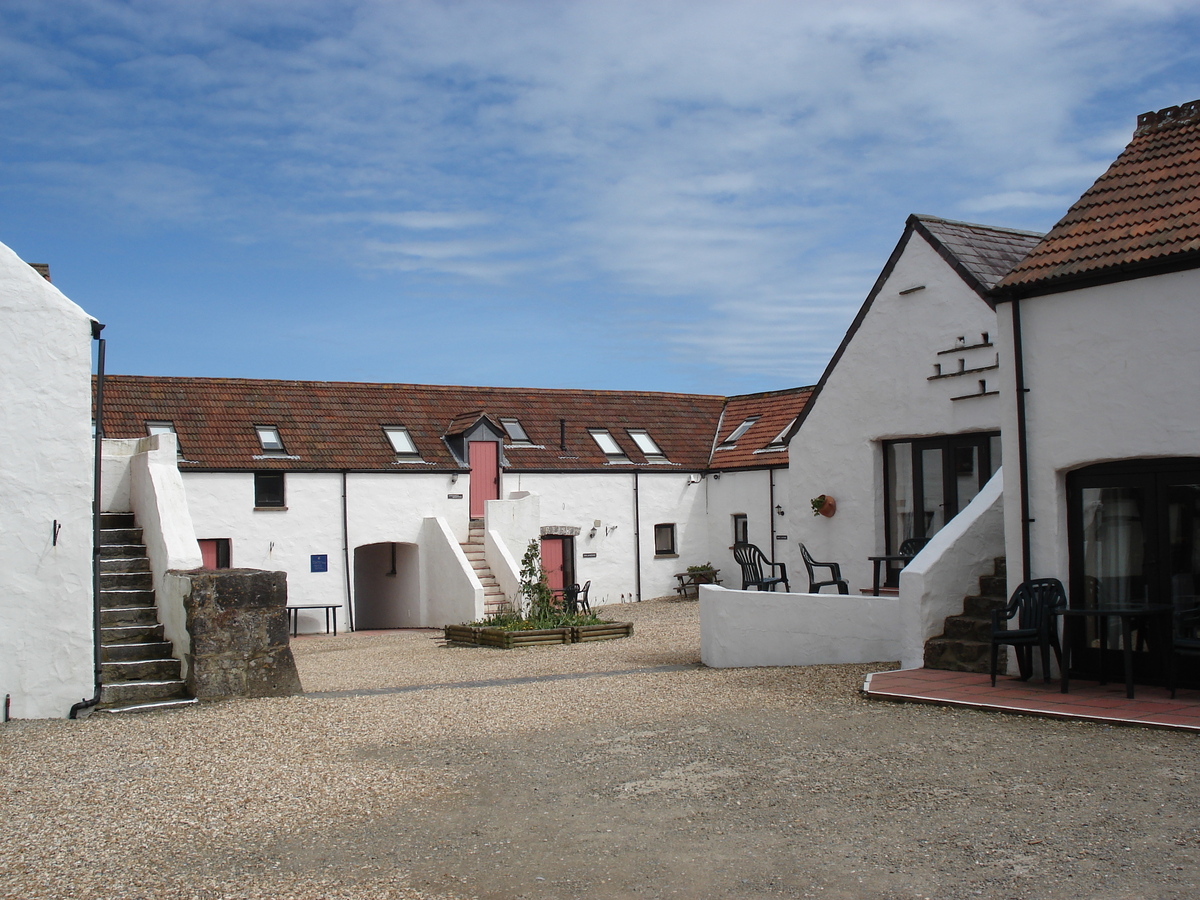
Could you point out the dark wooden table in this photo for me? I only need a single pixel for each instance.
(689, 583)
(1160, 613)
(330, 615)
(879, 562)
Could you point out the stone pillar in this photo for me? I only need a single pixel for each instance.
(238, 622)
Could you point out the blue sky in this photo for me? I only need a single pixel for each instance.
(691, 196)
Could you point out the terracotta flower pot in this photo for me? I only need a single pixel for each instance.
(829, 507)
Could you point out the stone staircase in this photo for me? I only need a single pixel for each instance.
(965, 646)
(137, 671)
(494, 600)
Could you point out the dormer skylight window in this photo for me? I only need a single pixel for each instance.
(608, 445)
(737, 433)
(646, 444)
(153, 428)
(269, 439)
(777, 442)
(516, 433)
(401, 440)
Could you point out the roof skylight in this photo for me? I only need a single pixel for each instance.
(401, 440)
(645, 443)
(516, 433)
(739, 431)
(608, 444)
(269, 439)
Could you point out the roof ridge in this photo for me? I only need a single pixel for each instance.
(1168, 117)
(999, 229)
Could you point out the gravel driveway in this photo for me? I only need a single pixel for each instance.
(414, 769)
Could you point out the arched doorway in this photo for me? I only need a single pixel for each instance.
(387, 589)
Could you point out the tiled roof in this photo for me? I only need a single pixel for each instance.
(776, 410)
(981, 254)
(338, 425)
(1144, 211)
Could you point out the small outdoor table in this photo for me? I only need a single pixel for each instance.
(689, 583)
(330, 615)
(880, 562)
(1160, 613)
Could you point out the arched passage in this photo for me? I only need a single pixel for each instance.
(386, 586)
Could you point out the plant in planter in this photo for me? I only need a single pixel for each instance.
(703, 574)
(823, 505)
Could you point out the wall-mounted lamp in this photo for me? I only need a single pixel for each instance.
(595, 526)
(694, 478)
(717, 475)
(454, 478)
(778, 510)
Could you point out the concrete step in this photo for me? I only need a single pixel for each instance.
(993, 586)
(129, 615)
(125, 671)
(117, 520)
(126, 581)
(979, 607)
(120, 536)
(120, 551)
(119, 599)
(127, 692)
(109, 564)
(961, 656)
(155, 706)
(120, 635)
(130, 651)
(967, 628)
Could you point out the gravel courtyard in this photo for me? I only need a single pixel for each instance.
(413, 769)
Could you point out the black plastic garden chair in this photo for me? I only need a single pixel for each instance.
(752, 560)
(835, 574)
(1035, 604)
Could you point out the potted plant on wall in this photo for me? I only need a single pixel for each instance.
(703, 574)
(824, 505)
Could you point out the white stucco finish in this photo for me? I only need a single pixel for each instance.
(1111, 375)
(948, 569)
(747, 493)
(452, 592)
(752, 628)
(880, 390)
(46, 642)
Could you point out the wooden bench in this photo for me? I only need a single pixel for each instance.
(689, 583)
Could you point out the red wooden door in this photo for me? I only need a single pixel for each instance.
(483, 457)
(552, 562)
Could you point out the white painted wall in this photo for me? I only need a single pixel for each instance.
(880, 390)
(948, 569)
(46, 641)
(383, 598)
(752, 628)
(452, 594)
(749, 493)
(509, 527)
(1111, 374)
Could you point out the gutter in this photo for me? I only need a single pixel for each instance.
(637, 540)
(346, 557)
(96, 502)
(1022, 440)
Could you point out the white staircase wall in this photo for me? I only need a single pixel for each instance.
(509, 527)
(450, 591)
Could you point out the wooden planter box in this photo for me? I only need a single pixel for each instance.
(507, 640)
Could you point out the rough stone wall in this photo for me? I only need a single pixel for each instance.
(238, 622)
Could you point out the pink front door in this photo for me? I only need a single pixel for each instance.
(483, 457)
(552, 562)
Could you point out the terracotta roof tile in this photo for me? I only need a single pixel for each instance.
(1145, 209)
(339, 425)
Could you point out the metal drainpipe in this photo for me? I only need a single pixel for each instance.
(346, 556)
(96, 501)
(1022, 442)
(637, 539)
(771, 510)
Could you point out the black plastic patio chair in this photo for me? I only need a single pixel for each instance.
(911, 547)
(835, 574)
(1186, 639)
(752, 560)
(1035, 604)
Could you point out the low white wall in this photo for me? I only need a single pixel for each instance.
(753, 628)
(509, 527)
(450, 592)
(948, 568)
(159, 504)
(115, 473)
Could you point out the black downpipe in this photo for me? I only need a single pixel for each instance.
(771, 510)
(637, 539)
(1022, 442)
(96, 500)
(346, 556)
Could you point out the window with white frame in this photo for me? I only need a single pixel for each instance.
(664, 540)
(646, 444)
(401, 441)
(608, 445)
(737, 433)
(164, 427)
(777, 442)
(516, 432)
(741, 529)
(269, 439)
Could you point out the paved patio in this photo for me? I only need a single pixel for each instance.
(1088, 701)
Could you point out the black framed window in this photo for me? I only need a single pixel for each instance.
(664, 540)
(741, 529)
(269, 490)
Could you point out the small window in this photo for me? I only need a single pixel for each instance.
(514, 430)
(268, 490)
(608, 444)
(739, 431)
(741, 529)
(215, 552)
(645, 443)
(778, 439)
(153, 428)
(664, 540)
(401, 440)
(268, 438)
